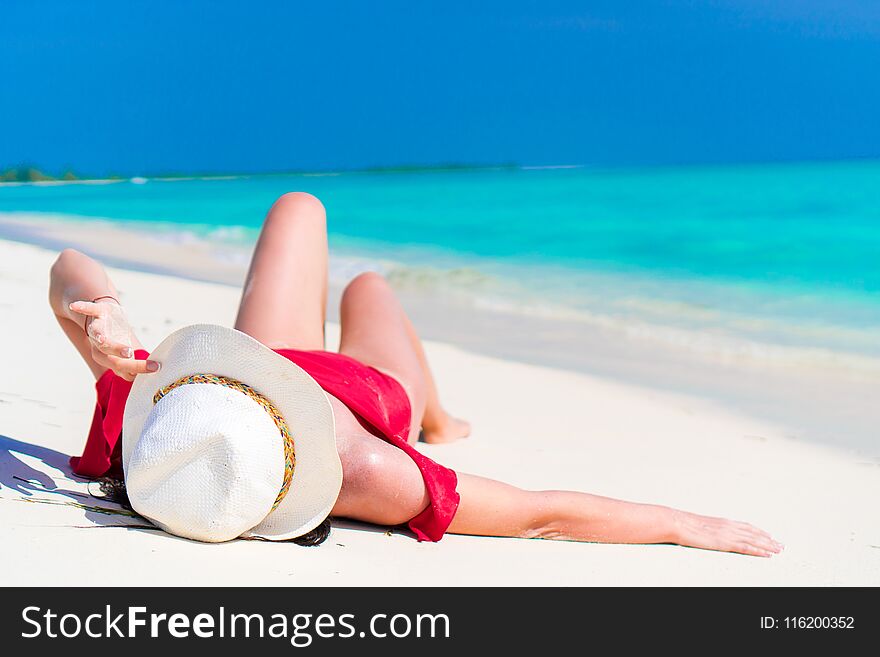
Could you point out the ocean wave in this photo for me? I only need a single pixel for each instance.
(721, 323)
(716, 344)
(716, 333)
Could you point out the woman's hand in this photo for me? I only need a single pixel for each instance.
(710, 533)
(110, 337)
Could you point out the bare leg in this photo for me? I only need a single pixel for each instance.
(376, 331)
(438, 426)
(284, 300)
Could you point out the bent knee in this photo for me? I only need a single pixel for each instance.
(368, 281)
(298, 202)
(299, 206)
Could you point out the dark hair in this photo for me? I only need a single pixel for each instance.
(315, 537)
(114, 490)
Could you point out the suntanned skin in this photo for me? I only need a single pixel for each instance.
(283, 305)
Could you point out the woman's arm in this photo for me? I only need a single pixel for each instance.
(492, 508)
(84, 301)
(382, 485)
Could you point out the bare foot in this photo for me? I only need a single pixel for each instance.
(449, 430)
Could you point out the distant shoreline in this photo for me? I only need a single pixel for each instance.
(28, 175)
(42, 178)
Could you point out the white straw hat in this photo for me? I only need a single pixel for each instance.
(229, 439)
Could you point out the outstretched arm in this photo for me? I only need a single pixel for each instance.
(85, 303)
(492, 508)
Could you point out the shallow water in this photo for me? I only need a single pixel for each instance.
(771, 261)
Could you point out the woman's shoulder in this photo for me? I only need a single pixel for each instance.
(347, 423)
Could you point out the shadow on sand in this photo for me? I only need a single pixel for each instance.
(21, 481)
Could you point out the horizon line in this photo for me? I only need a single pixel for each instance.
(399, 168)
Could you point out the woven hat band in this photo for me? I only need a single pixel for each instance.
(265, 404)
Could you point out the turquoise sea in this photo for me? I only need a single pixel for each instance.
(754, 259)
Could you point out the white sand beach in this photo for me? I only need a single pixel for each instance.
(534, 426)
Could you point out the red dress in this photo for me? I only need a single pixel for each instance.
(376, 399)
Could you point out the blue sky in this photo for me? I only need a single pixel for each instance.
(151, 87)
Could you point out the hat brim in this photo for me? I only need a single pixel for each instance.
(211, 349)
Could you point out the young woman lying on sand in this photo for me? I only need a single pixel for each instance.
(382, 396)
